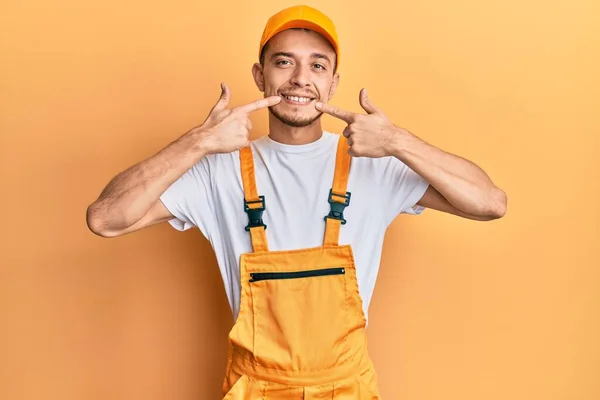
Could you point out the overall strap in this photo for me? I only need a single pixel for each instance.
(254, 205)
(339, 199)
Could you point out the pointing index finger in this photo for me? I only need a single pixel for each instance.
(346, 116)
(259, 104)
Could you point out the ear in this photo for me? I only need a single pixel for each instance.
(334, 85)
(259, 78)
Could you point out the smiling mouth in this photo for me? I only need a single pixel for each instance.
(297, 99)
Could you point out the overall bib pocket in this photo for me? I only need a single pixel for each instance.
(299, 318)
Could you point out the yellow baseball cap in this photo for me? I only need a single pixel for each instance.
(301, 16)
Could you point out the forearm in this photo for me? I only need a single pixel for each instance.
(131, 194)
(461, 182)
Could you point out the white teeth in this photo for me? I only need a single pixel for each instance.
(298, 99)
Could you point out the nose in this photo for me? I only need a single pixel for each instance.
(301, 77)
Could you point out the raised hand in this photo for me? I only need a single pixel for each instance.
(226, 130)
(369, 135)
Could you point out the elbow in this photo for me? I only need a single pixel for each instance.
(95, 222)
(491, 206)
(497, 204)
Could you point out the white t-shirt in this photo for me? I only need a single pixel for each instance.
(295, 181)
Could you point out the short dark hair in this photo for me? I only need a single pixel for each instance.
(266, 47)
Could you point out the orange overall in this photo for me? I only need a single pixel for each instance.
(300, 329)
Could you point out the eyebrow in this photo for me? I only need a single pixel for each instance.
(291, 55)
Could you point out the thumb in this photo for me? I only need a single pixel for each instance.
(366, 104)
(223, 99)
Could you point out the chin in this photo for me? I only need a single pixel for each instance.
(296, 121)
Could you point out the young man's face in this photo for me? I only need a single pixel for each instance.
(298, 66)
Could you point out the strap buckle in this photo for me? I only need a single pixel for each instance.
(337, 208)
(255, 214)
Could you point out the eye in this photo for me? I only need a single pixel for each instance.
(283, 62)
(320, 66)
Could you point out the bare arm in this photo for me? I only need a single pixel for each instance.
(457, 185)
(131, 200)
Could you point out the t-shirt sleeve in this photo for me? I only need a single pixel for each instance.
(402, 188)
(190, 199)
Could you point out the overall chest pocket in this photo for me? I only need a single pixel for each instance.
(300, 318)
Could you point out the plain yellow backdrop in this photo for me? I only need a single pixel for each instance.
(462, 310)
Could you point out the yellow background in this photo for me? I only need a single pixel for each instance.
(462, 310)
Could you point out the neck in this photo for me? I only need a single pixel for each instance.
(285, 134)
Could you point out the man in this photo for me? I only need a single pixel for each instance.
(297, 217)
